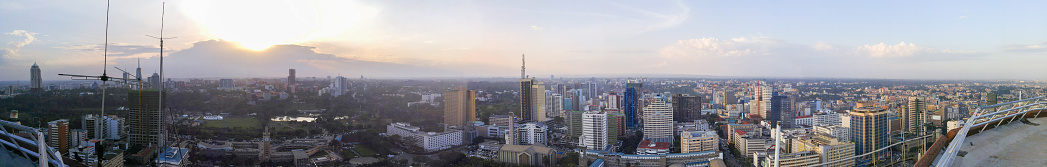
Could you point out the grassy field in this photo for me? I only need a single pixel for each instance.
(233, 123)
(364, 150)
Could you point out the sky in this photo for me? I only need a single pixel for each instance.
(402, 39)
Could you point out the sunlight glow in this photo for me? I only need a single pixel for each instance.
(258, 25)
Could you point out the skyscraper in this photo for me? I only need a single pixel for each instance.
(780, 111)
(290, 78)
(154, 81)
(632, 103)
(612, 102)
(338, 86)
(594, 130)
(459, 106)
(869, 130)
(686, 108)
(59, 134)
(144, 117)
(553, 104)
(914, 117)
(34, 79)
(537, 98)
(528, 97)
(658, 120)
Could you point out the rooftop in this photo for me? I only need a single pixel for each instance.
(657, 145)
(1013, 144)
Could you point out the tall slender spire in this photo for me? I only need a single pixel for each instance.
(523, 66)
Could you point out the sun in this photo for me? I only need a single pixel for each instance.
(255, 25)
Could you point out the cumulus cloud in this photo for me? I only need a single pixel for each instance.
(1042, 47)
(12, 47)
(902, 49)
(713, 47)
(882, 50)
(29, 38)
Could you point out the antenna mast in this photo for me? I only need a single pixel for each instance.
(160, 130)
(523, 66)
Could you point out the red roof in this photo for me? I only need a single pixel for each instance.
(657, 145)
(806, 116)
(740, 132)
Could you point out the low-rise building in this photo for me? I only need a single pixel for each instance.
(829, 149)
(527, 155)
(657, 160)
(797, 159)
(174, 157)
(648, 147)
(699, 141)
(430, 141)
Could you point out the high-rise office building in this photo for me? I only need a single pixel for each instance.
(612, 102)
(105, 127)
(59, 134)
(915, 116)
(226, 83)
(591, 90)
(781, 111)
(686, 108)
(615, 126)
(658, 120)
(36, 82)
(338, 86)
(91, 123)
(154, 81)
(127, 75)
(990, 98)
(553, 104)
(631, 103)
(869, 130)
(763, 101)
(291, 78)
(574, 123)
(594, 130)
(538, 99)
(459, 106)
(143, 117)
(138, 71)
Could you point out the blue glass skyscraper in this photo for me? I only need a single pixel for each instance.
(631, 103)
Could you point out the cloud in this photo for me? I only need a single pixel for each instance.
(882, 50)
(712, 47)
(764, 56)
(215, 58)
(11, 50)
(1042, 47)
(902, 49)
(961, 17)
(822, 46)
(120, 50)
(28, 38)
(536, 28)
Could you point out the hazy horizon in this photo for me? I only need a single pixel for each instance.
(466, 39)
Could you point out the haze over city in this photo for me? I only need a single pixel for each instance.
(396, 39)
(542, 83)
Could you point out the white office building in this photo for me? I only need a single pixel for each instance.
(836, 131)
(658, 120)
(594, 130)
(430, 141)
(531, 133)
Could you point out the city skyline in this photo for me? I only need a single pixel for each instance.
(894, 40)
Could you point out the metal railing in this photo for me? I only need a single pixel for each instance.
(12, 142)
(985, 115)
